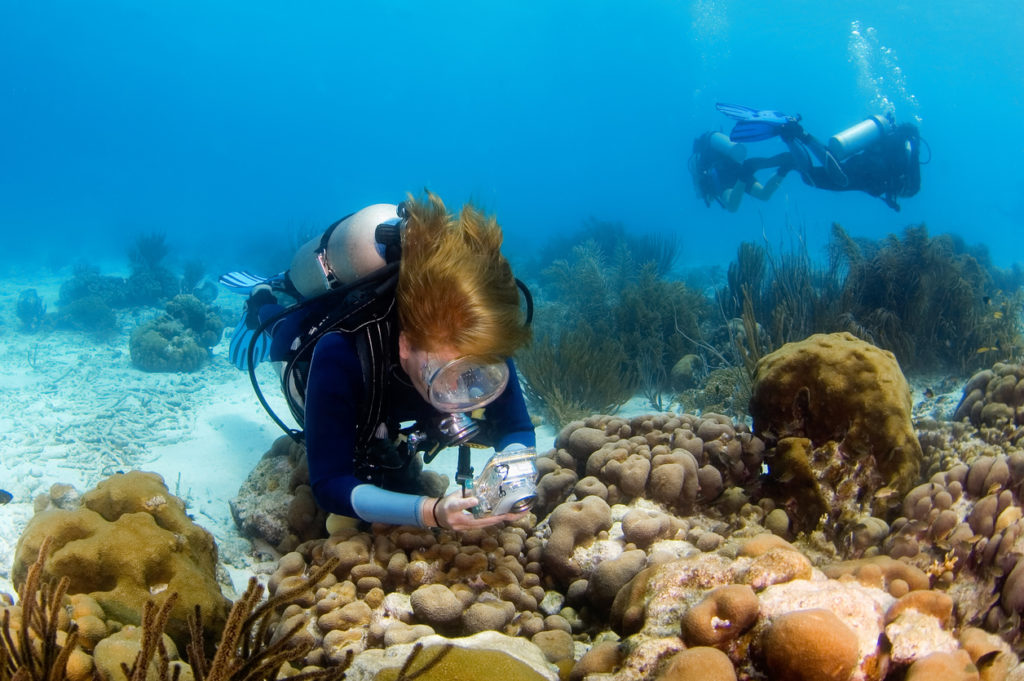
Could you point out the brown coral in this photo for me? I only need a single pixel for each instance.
(130, 541)
(835, 387)
(810, 645)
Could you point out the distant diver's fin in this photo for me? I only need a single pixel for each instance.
(243, 283)
(745, 113)
(754, 131)
(755, 125)
(238, 351)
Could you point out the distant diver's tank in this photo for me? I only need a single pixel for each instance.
(726, 147)
(346, 251)
(858, 137)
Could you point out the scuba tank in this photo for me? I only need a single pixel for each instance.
(721, 143)
(858, 137)
(346, 251)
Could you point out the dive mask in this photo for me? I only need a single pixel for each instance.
(464, 383)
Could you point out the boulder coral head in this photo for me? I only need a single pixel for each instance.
(838, 388)
(131, 541)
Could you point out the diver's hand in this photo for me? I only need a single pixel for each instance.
(453, 513)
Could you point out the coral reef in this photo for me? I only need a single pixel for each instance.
(659, 549)
(658, 552)
(682, 559)
(178, 340)
(129, 541)
(275, 506)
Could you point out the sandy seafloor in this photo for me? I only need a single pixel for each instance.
(74, 410)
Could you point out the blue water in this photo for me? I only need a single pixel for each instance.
(230, 126)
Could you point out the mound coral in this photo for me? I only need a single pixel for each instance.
(50, 637)
(129, 542)
(837, 388)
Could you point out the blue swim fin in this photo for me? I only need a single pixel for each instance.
(244, 282)
(745, 113)
(755, 125)
(238, 351)
(754, 131)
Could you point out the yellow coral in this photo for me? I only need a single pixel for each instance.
(836, 387)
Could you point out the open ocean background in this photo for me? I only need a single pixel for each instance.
(232, 126)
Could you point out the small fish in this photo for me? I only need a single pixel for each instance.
(982, 351)
(998, 314)
(5, 496)
(929, 393)
(885, 493)
(987, 300)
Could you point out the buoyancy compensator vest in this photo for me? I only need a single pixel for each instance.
(345, 280)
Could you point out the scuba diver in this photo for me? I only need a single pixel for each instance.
(406, 314)
(875, 156)
(722, 173)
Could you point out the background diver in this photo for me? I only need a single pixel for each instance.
(875, 156)
(722, 173)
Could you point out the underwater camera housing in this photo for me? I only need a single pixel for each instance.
(508, 483)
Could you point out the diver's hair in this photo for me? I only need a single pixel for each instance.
(455, 288)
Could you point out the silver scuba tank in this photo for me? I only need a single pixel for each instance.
(346, 251)
(858, 137)
(726, 147)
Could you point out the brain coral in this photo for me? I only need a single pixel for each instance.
(835, 387)
(129, 542)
